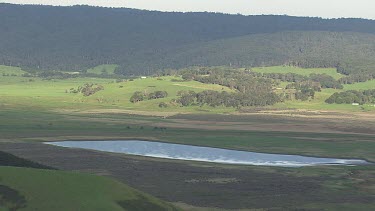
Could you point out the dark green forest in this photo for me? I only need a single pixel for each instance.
(45, 38)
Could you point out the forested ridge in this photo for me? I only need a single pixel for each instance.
(45, 38)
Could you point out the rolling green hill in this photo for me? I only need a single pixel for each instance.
(7, 159)
(56, 94)
(26, 185)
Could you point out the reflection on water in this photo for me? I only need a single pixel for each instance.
(207, 154)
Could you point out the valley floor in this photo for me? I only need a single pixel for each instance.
(33, 111)
(195, 185)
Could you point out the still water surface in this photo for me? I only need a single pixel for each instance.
(206, 154)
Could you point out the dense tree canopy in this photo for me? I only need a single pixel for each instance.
(249, 90)
(144, 42)
(352, 96)
(141, 96)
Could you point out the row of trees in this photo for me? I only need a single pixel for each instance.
(226, 77)
(7, 74)
(352, 96)
(227, 99)
(250, 90)
(326, 81)
(260, 84)
(141, 96)
(357, 71)
(243, 81)
(357, 78)
(287, 77)
(87, 89)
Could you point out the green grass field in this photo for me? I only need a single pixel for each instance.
(35, 189)
(103, 69)
(11, 70)
(297, 70)
(52, 94)
(360, 86)
(318, 103)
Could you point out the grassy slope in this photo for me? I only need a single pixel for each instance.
(360, 86)
(31, 188)
(7, 159)
(57, 190)
(11, 70)
(107, 68)
(319, 103)
(18, 91)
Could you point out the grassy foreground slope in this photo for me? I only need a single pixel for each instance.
(34, 189)
(7, 159)
(27, 185)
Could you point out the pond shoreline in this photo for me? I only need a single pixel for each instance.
(168, 150)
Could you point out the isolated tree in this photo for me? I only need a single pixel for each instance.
(157, 95)
(137, 97)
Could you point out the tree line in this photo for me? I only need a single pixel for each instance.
(259, 86)
(87, 89)
(352, 96)
(248, 90)
(227, 99)
(325, 81)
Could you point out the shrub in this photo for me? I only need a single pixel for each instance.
(163, 105)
